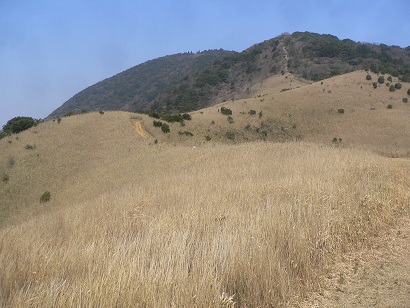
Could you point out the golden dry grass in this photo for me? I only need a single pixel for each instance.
(137, 223)
(308, 112)
(250, 224)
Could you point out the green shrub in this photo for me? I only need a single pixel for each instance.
(154, 115)
(408, 92)
(260, 114)
(341, 111)
(101, 112)
(186, 116)
(389, 106)
(69, 114)
(5, 178)
(252, 112)
(213, 122)
(390, 78)
(392, 88)
(165, 128)
(208, 138)
(2, 135)
(186, 133)
(405, 100)
(18, 124)
(230, 135)
(157, 123)
(230, 119)
(226, 111)
(30, 146)
(58, 120)
(368, 77)
(337, 140)
(45, 197)
(248, 127)
(83, 111)
(398, 86)
(380, 79)
(375, 85)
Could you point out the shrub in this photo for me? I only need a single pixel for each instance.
(165, 128)
(341, 111)
(213, 122)
(397, 85)
(380, 79)
(154, 115)
(392, 88)
(408, 92)
(186, 116)
(260, 114)
(390, 78)
(30, 146)
(18, 124)
(10, 162)
(230, 119)
(186, 133)
(230, 135)
(248, 127)
(368, 77)
(157, 123)
(405, 100)
(252, 112)
(83, 111)
(69, 114)
(5, 178)
(45, 197)
(101, 112)
(58, 120)
(375, 85)
(389, 106)
(208, 138)
(226, 111)
(2, 135)
(337, 140)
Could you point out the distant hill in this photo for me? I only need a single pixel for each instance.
(187, 82)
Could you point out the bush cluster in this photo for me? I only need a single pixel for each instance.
(171, 118)
(226, 111)
(186, 133)
(19, 124)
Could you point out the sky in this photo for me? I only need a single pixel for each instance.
(52, 49)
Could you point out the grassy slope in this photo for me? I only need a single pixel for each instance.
(310, 113)
(131, 221)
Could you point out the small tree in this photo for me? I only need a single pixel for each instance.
(18, 124)
(380, 79)
(374, 85)
(397, 85)
(390, 78)
(408, 92)
(368, 77)
(165, 128)
(392, 88)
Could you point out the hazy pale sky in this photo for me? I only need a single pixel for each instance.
(52, 49)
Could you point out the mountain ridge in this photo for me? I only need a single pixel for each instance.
(188, 81)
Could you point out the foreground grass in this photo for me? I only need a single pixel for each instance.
(250, 225)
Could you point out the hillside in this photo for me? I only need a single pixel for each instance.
(138, 87)
(188, 82)
(249, 211)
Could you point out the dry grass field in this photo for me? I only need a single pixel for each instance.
(185, 222)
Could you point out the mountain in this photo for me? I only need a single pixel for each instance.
(137, 87)
(187, 82)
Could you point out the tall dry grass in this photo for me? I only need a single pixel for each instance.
(248, 225)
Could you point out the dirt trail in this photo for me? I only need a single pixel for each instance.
(140, 131)
(376, 277)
